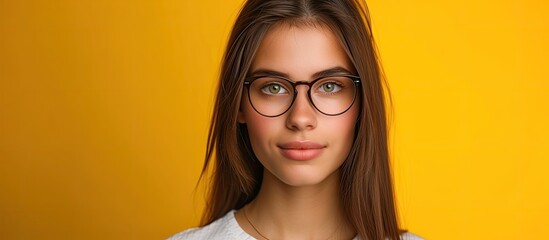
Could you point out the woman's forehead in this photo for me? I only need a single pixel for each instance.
(300, 51)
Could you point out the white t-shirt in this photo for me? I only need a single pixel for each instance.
(227, 228)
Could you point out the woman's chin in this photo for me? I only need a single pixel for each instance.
(302, 178)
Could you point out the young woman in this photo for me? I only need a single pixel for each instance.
(298, 139)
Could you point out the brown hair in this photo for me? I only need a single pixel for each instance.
(366, 185)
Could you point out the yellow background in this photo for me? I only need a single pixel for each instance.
(104, 108)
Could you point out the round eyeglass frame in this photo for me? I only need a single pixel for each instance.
(248, 82)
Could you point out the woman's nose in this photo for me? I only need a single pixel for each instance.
(302, 114)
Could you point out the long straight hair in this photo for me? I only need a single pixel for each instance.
(366, 186)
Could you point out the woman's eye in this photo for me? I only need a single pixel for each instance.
(273, 88)
(329, 87)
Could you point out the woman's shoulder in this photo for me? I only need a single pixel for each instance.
(225, 227)
(410, 236)
(403, 236)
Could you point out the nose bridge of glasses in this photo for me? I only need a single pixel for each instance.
(297, 84)
(305, 98)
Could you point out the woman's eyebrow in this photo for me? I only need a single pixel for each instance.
(328, 72)
(331, 72)
(267, 72)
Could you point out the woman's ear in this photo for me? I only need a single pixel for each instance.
(241, 118)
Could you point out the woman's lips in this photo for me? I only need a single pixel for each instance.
(301, 150)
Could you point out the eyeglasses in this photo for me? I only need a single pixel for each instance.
(272, 96)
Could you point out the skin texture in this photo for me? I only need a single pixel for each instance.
(299, 199)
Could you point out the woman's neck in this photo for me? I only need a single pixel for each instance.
(280, 211)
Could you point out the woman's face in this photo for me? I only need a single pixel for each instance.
(301, 147)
